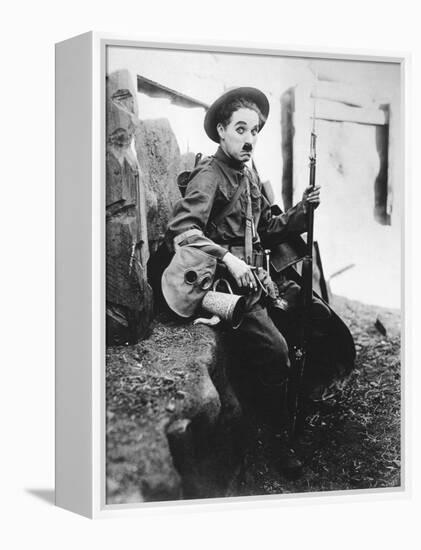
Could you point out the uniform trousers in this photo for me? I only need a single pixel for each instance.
(261, 362)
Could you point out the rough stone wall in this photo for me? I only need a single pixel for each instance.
(159, 158)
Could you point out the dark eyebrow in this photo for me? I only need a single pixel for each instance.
(245, 123)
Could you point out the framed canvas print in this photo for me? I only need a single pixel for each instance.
(229, 273)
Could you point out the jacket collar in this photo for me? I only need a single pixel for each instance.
(230, 162)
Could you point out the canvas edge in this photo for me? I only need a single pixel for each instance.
(100, 42)
(73, 275)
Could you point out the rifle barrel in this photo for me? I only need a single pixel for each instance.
(306, 303)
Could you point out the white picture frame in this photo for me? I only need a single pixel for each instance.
(80, 270)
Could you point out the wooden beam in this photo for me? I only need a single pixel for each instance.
(353, 96)
(334, 111)
(154, 89)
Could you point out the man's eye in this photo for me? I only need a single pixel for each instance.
(240, 130)
(254, 132)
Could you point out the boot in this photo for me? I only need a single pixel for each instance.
(289, 463)
(275, 414)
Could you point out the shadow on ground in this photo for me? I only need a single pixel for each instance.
(47, 495)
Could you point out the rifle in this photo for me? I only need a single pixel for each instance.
(300, 350)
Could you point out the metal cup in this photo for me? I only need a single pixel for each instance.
(228, 306)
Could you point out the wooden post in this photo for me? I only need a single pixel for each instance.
(129, 296)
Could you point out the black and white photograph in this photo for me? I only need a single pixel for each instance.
(210, 275)
(253, 220)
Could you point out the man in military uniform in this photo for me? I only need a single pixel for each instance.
(226, 215)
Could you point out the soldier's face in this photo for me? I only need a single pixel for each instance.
(239, 137)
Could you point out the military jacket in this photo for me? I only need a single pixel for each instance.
(210, 189)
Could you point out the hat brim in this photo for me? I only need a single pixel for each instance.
(252, 94)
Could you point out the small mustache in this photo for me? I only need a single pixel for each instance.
(247, 147)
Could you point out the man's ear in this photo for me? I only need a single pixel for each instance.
(221, 130)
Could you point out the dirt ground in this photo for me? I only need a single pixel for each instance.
(351, 438)
(163, 381)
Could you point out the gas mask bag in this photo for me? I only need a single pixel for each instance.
(187, 279)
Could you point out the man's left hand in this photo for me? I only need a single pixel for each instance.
(311, 196)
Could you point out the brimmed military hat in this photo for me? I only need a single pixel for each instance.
(213, 113)
(186, 280)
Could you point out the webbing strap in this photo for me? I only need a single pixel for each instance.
(248, 237)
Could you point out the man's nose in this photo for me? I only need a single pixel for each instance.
(249, 137)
